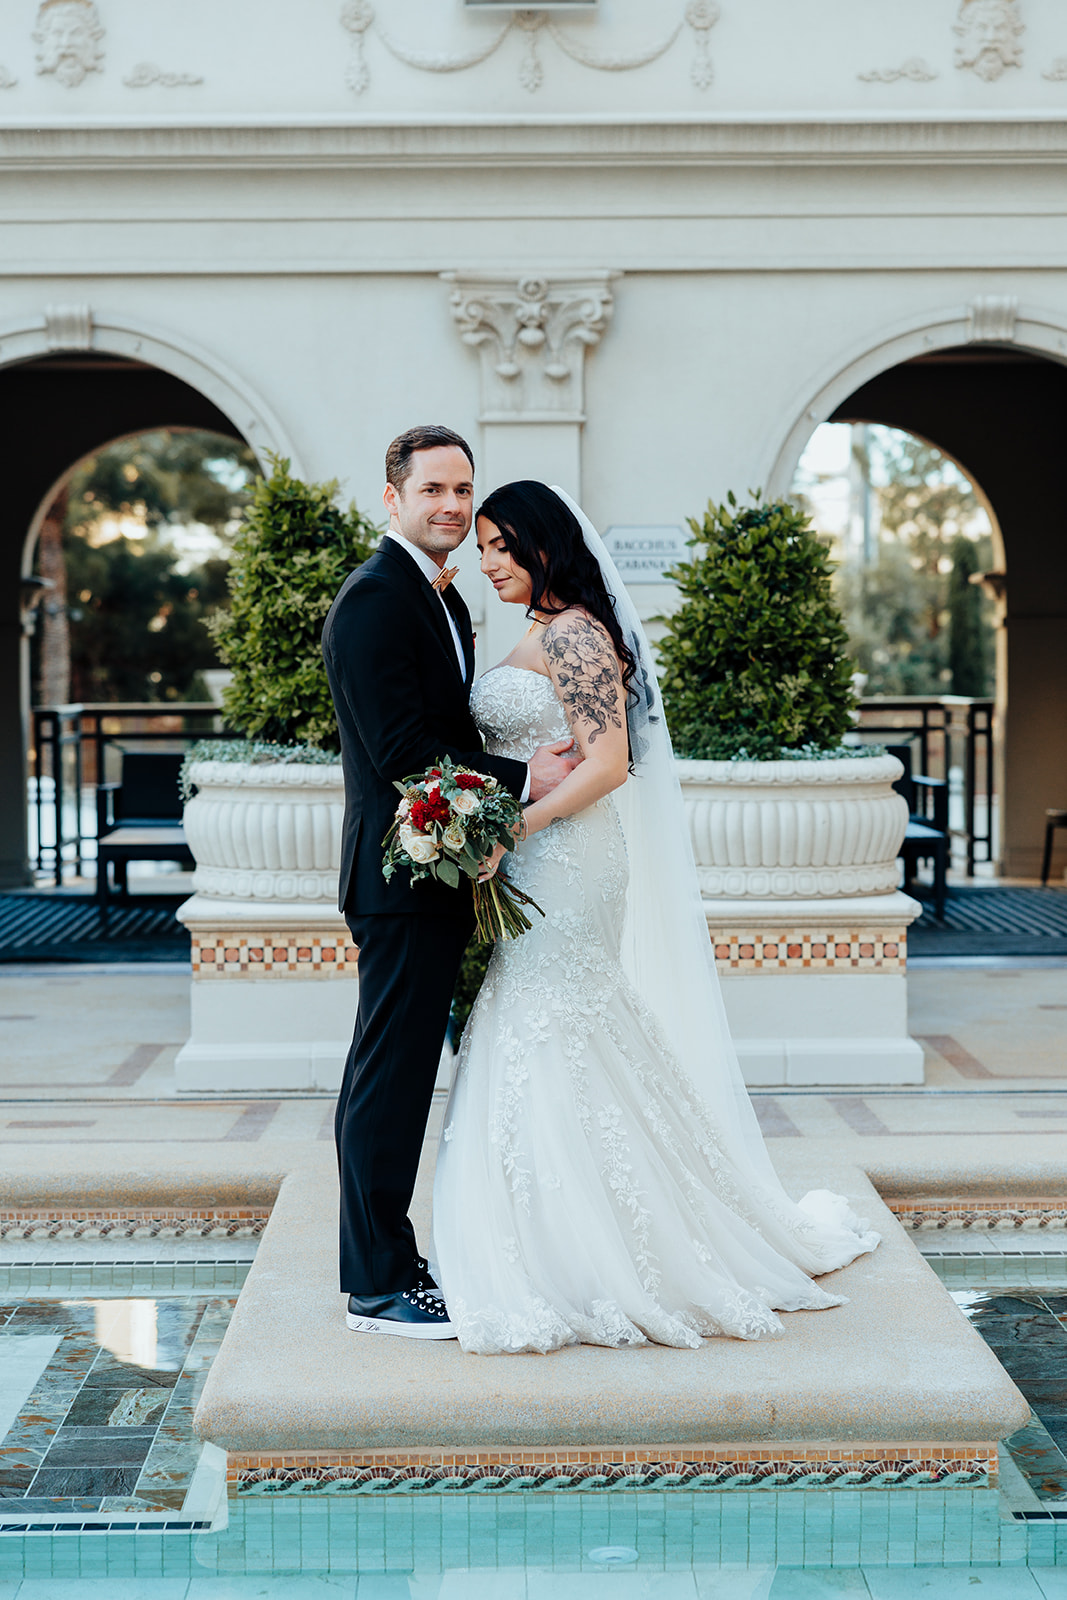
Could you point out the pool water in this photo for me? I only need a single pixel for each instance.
(104, 1486)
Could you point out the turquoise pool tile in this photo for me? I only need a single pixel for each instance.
(97, 1588)
(1051, 1582)
(951, 1583)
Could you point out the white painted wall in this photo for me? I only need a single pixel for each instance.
(277, 231)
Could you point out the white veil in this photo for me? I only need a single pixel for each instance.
(668, 956)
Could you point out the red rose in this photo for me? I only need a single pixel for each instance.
(469, 780)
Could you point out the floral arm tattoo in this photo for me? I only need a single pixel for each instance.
(585, 670)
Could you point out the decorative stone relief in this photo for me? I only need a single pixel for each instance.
(8, 79)
(988, 32)
(992, 319)
(68, 327)
(914, 70)
(702, 15)
(1057, 73)
(531, 335)
(358, 17)
(67, 38)
(146, 73)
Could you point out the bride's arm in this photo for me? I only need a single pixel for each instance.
(587, 678)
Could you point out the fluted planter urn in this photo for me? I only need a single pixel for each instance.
(274, 968)
(795, 829)
(797, 862)
(266, 831)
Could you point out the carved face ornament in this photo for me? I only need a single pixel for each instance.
(66, 37)
(988, 31)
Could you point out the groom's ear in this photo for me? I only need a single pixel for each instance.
(390, 498)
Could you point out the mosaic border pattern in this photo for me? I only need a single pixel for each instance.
(273, 955)
(126, 1224)
(807, 950)
(1005, 1216)
(857, 1467)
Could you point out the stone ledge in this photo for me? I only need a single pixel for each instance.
(898, 1364)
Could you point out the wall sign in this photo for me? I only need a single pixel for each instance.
(643, 555)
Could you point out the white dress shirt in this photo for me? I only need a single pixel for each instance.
(430, 570)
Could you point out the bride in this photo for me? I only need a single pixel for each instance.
(601, 1178)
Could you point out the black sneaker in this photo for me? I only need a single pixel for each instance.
(424, 1279)
(415, 1314)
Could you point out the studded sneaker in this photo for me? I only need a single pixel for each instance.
(415, 1314)
(425, 1278)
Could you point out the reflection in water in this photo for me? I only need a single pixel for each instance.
(128, 1328)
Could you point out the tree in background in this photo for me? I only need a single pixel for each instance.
(131, 610)
(970, 642)
(915, 624)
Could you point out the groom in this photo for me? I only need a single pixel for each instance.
(400, 659)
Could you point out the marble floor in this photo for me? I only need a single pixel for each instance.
(97, 1394)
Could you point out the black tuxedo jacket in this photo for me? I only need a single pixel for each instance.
(401, 704)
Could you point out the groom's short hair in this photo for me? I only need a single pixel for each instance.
(406, 444)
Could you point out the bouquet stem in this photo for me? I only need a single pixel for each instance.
(498, 910)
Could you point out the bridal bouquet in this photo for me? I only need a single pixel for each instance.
(448, 820)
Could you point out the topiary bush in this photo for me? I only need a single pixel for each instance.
(295, 548)
(754, 663)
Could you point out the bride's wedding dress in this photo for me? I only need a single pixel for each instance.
(587, 1189)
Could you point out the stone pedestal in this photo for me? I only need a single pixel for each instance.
(273, 997)
(815, 990)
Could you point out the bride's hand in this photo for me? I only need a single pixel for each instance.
(490, 864)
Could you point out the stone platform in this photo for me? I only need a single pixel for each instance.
(894, 1387)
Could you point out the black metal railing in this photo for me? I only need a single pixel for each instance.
(951, 732)
(70, 747)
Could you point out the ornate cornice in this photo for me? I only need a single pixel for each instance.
(620, 142)
(531, 334)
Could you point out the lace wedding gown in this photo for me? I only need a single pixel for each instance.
(583, 1194)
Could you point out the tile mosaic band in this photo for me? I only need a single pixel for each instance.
(802, 950)
(717, 1467)
(273, 955)
(126, 1224)
(1004, 1215)
(263, 954)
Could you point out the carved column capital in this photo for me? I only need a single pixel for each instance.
(531, 333)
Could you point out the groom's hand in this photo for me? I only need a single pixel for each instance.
(549, 765)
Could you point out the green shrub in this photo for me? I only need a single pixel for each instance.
(755, 662)
(468, 982)
(295, 548)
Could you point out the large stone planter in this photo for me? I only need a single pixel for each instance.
(797, 862)
(267, 832)
(795, 829)
(274, 970)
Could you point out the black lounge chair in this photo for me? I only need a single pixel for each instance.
(927, 837)
(139, 819)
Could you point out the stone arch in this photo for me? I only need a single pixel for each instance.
(1003, 425)
(174, 369)
(66, 329)
(947, 329)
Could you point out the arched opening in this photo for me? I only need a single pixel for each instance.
(1000, 412)
(59, 408)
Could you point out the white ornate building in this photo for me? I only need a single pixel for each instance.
(639, 250)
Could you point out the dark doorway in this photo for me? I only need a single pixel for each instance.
(57, 409)
(1002, 414)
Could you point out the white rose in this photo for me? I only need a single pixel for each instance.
(404, 808)
(407, 833)
(454, 837)
(466, 802)
(421, 850)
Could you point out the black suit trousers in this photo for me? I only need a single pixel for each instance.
(407, 973)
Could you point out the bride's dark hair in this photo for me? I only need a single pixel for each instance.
(546, 540)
